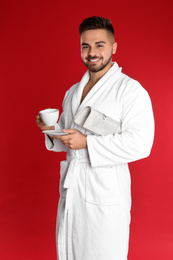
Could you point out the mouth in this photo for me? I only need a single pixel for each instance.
(94, 60)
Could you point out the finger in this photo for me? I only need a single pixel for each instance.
(66, 137)
(58, 137)
(37, 119)
(70, 131)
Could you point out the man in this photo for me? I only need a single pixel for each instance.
(95, 199)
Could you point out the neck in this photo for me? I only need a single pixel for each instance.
(96, 76)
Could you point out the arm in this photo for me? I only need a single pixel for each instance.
(53, 144)
(137, 135)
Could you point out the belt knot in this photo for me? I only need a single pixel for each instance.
(73, 163)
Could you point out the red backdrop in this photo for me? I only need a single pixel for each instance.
(39, 61)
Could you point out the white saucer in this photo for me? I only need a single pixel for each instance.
(53, 132)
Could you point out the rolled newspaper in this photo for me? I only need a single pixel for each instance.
(97, 122)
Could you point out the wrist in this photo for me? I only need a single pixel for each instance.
(52, 127)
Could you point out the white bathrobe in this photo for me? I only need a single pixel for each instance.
(95, 198)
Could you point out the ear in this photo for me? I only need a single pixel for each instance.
(114, 47)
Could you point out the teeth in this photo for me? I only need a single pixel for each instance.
(95, 60)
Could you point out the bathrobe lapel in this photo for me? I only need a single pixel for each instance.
(92, 95)
(76, 99)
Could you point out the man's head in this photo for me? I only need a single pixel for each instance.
(97, 43)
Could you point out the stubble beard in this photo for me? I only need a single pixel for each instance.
(93, 68)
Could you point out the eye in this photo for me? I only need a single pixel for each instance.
(99, 46)
(84, 47)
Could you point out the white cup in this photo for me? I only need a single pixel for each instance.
(49, 116)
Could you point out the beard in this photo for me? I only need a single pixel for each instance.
(94, 67)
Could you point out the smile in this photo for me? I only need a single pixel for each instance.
(94, 60)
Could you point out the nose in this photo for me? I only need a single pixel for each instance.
(92, 51)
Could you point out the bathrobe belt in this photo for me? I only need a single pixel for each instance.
(74, 161)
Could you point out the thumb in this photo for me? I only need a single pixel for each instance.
(70, 131)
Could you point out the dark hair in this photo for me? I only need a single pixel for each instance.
(96, 22)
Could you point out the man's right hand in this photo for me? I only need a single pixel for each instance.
(41, 125)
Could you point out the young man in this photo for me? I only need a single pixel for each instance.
(95, 199)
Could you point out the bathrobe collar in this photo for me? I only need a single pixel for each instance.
(76, 106)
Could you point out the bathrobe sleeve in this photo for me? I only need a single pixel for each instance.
(136, 138)
(56, 145)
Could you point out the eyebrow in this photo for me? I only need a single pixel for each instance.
(100, 42)
(95, 43)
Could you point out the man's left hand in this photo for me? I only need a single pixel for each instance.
(75, 140)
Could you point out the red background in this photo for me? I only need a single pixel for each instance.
(39, 61)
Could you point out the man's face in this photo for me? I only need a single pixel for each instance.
(97, 48)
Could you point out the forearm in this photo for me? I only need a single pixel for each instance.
(135, 140)
(119, 148)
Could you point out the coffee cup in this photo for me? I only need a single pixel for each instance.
(49, 116)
